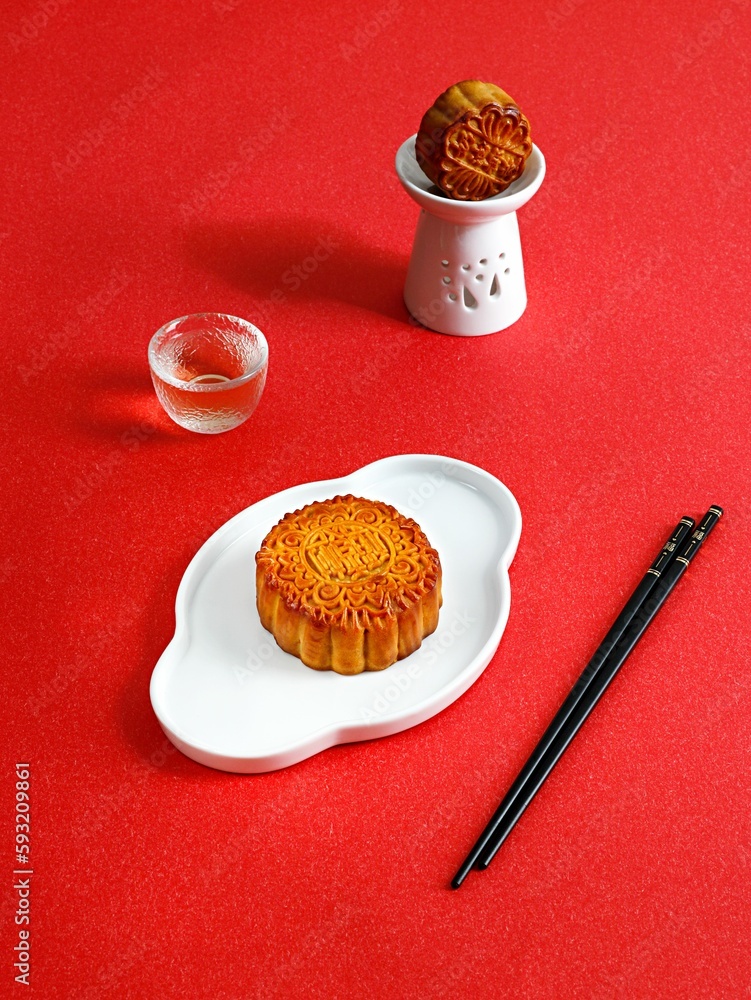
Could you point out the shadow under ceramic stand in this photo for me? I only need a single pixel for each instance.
(288, 260)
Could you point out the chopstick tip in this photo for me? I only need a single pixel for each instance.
(457, 880)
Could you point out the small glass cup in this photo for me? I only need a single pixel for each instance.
(209, 370)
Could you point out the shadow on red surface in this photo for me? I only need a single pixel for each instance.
(281, 261)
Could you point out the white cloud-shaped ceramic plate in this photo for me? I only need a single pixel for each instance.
(228, 697)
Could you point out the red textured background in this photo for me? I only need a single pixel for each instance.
(217, 144)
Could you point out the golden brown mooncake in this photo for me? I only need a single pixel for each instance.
(474, 141)
(348, 585)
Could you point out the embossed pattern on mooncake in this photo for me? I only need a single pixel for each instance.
(474, 141)
(348, 584)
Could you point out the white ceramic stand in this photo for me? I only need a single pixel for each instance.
(466, 275)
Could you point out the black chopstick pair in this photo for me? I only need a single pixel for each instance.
(651, 593)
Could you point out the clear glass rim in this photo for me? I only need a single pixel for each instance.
(208, 386)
